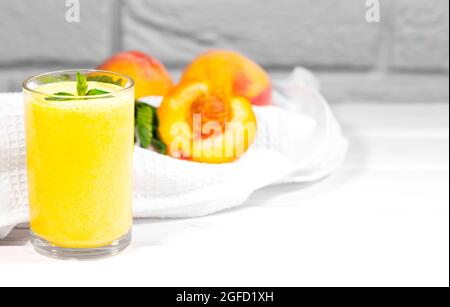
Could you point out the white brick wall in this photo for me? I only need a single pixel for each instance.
(420, 34)
(34, 32)
(277, 33)
(404, 57)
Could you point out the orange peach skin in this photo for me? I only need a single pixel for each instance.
(150, 76)
(183, 103)
(232, 72)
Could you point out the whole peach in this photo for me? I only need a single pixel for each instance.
(150, 76)
(232, 72)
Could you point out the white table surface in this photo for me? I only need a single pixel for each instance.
(381, 220)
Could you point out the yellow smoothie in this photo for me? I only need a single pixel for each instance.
(79, 160)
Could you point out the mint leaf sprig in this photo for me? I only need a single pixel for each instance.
(82, 85)
(105, 79)
(146, 128)
(82, 90)
(96, 92)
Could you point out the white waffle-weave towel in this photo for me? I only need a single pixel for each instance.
(298, 140)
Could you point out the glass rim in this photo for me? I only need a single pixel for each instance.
(25, 83)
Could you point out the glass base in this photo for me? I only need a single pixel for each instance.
(45, 248)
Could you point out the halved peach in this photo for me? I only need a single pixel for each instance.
(199, 122)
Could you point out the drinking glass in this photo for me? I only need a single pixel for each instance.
(79, 162)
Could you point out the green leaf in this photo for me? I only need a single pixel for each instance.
(82, 85)
(159, 146)
(95, 92)
(147, 124)
(144, 124)
(155, 117)
(105, 79)
(82, 90)
(60, 98)
(63, 94)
